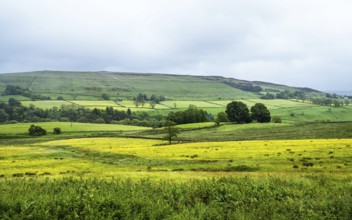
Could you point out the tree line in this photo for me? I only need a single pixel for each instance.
(141, 99)
(238, 112)
(328, 100)
(17, 90)
(13, 111)
(191, 115)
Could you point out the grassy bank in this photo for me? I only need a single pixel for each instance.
(310, 197)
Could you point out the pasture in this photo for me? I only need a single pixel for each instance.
(90, 85)
(298, 169)
(290, 111)
(82, 174)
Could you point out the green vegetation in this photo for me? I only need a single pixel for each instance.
(93, 164)
(171, 131)
(36, 131)
(238, 112)
(311, 197)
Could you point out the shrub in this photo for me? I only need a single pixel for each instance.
(57, 131)
(99, 121)
(83, 120)
(105, 96)
(276, 119)
(308, 164)
(36, 131)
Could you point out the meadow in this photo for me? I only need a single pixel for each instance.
(107, 157)
(94, 171)
(78, 177)
(298, 169)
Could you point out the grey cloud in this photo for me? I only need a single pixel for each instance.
(300, 43)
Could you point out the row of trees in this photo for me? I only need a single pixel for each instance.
(238, 112)
(191, 115)
(285, 95)
(141, 99)
(14, 111)
(235, 112)
(17, 90)
(244, 86)
(329, 102)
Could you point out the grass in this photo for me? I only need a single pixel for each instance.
(226, 198)
(204, 132)
(135, 178)
(107, 157)
(67, 128)
(90, 85)
(293, 170)
(314, 113)
(130, 178)
(269, 131)
(46, 104)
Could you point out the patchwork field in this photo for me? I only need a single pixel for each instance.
(288, 110)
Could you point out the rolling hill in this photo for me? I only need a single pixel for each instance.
(91, 85)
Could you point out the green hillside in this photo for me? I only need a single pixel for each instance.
(90, 85)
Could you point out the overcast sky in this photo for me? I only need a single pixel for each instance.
(295, 42)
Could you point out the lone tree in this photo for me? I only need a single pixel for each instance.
(171, 131)
(105, 96)
(36, 131)
(129, 113)
(238, 112)
(260, 113)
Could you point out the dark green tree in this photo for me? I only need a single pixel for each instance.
(260, 113)
(222, 117)
(105, 96)
(57, 131)
(171, 131)
(3, 116)
(238, 112)
(36, 131)
(129, 112)
(14, 102)
(152, 104)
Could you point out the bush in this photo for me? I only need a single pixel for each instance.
(105, 96)
(276, 119)
(99, 121)
(36, 131)
(83, 120)
(57, 131)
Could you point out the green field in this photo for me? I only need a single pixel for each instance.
(94, 156)
(81, 173)
(90, 85)
(298, 169)
(288, 110)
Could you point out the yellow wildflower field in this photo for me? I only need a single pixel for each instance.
(110, 157)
